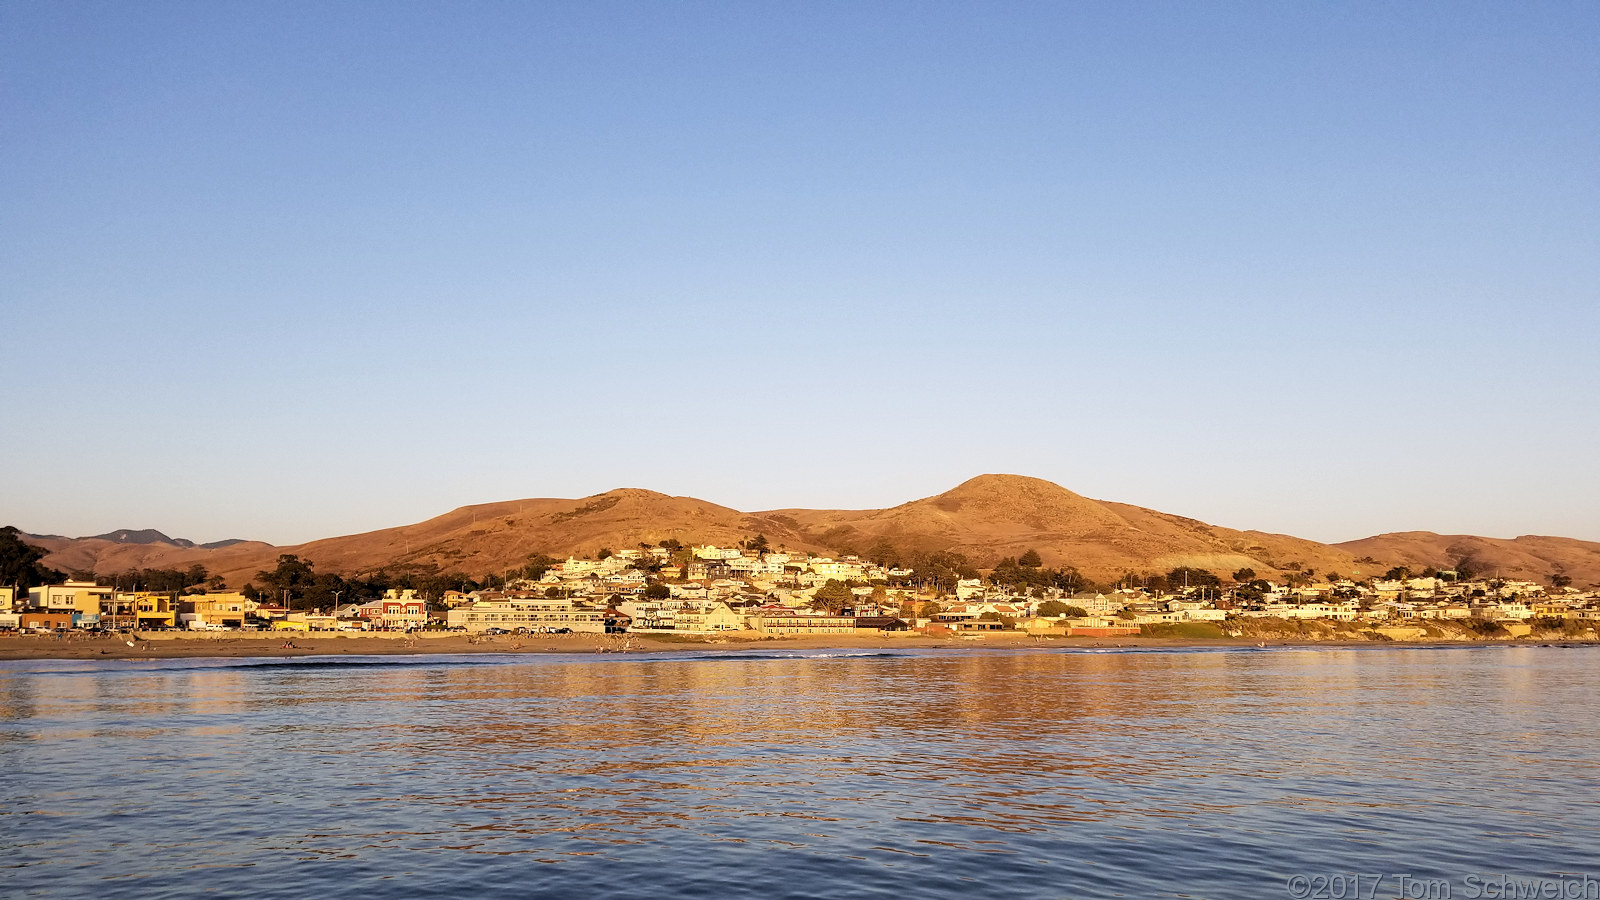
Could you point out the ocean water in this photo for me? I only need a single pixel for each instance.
(1144, 773)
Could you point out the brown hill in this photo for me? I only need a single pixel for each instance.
(476, 540)
(986, 518)
(993, 516)
(1529, 558)
(105, 556)
(492, 537)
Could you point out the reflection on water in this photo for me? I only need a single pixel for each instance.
(1206, 774)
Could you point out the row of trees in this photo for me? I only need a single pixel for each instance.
(194, 578)
(296, 583)
(1027, 571)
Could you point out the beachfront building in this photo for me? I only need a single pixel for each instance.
(82, 597)
(152, 610)
(800, 623)
(46, 621)
(532, 613)
(225, 609)
(396, 609)
(1345, 612)
(1508, 609)
(8, 599)
(881, 624)
(309, 621)
(707, 619)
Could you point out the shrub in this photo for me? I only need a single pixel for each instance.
(1190, 630)
(1485, 627)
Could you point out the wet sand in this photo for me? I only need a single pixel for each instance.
(179, 645)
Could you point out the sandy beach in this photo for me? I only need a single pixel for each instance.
(178, 645)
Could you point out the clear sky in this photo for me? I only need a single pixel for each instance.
(288, 270)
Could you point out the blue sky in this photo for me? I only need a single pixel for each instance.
(283, 271)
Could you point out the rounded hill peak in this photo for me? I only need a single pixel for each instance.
(1031, 503)
(1009, 489)
(629, 493)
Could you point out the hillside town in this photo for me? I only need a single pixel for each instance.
(710, 590)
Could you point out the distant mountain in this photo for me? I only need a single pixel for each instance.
(106, 556)
(139, 536)
(218, 545)
(985, 518)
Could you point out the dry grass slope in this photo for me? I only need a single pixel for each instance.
(986, 518)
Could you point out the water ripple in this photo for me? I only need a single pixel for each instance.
(1132, 773)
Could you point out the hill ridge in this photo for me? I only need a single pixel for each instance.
(986, 518)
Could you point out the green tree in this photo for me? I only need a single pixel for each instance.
(1244, 575)
(1051, 609)
(683, 558)
(1187, 576)
(293, 578)
(883, 553)
(834, 596)
(1030, 560)
(19, 563)
(1560, 581)
(758, 544)
(325, 591)
(929, 609)
(657, 591)
(537, 565)
(1008, 573)
(1398, 573)
(1068, 579)
(941, 569)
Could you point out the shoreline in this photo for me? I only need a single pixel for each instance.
(169, 645)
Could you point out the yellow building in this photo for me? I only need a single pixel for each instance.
(219, 610)
(802, 624)
(716, 617)
(151, 610)
(533, 613)
(75, 596)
